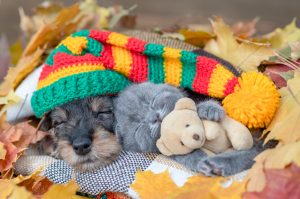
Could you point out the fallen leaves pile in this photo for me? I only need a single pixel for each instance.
(275, 174)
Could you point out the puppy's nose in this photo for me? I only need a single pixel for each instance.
(196, 137)
(82, 146)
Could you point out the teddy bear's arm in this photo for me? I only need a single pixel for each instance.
(210, 110)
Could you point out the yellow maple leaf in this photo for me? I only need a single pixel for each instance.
(20, 192)
(6, 189)
(61, 191)
(286, 123)
(245, 55)
(16, 74)
(208, 187)
(9, 190)
(280, 38)
(9, 99)
(150, 185)
(196, 38)
(277, 158)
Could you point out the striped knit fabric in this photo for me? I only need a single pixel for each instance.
(92, 62)
(73, 70)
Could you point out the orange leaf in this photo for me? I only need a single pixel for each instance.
(61, 191)
(15, 139)
(150, 185)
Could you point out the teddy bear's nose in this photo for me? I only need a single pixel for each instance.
(196, 137)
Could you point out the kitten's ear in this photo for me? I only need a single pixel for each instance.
(46, 122)
(185, 103)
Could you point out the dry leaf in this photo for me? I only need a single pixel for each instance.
(281, 183)
(207, 187)
(276, 73)
(2, 151)
(280, 38)
(245, 55)
(197, 38)
(61, 191)
(245, 29)
(9, 190)
(150, 185)
(9, 99)
(15, 139)
(16, 74)
(286, 123)
(53, 32)
(277, 158)
(15, 51)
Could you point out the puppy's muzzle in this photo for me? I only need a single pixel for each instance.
(82, 146)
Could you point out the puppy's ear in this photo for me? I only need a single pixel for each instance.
(46, 122)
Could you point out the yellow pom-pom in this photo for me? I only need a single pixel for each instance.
(254, 100)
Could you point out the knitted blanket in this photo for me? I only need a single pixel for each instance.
(115, 177)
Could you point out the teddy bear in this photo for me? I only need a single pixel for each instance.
(182, 131)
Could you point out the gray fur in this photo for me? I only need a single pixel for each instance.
(138, 128)
(139, 110)
(210, 110)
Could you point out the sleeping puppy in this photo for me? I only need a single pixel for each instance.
(80, 132)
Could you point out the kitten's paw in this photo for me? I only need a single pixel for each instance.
(215, 167)
(210, 110)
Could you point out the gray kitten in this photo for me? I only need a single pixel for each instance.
(139, 110)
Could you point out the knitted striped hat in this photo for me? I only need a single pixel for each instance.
(92, 62)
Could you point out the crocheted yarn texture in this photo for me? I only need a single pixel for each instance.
(92, 62)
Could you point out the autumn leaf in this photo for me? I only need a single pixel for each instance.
(16, 74)
(16, 138)
(245, 55)
(9, 99)
(277, 158)
(281, 183)
(286, 122)
(208, 187)
(150, 185)
(197, 38)
(15, 51)
(280, 38)
(61, 191)
(12, 191)
(245, 30)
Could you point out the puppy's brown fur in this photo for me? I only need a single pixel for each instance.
(88, 122)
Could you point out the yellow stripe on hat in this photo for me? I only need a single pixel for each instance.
(68, 71)
(172, 66)
(75, 44)
(117, 39)
(218, 80)
(122, 59)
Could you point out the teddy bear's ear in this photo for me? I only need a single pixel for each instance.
(185, 103)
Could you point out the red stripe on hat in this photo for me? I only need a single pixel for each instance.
(229, 87)
(136, 45)
(204, 69)
(46, 70)
(106, 57)
(139, 68)
(101, 36)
